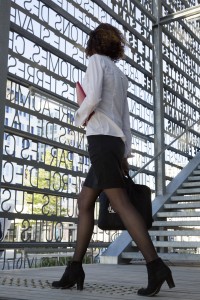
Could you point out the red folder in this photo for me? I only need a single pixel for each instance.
(80, 97)
(80, 93)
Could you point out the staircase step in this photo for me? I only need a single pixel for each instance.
(185, 198)
(173, 244)
(194, 178)
(196, 172)
(182, 205)
(175, 257)
(188, 191)
(178, 214)
(174, 233)
(176, 223)
(191, 184)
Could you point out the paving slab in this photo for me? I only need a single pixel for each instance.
(102, 282)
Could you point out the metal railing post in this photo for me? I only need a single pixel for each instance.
(158, 100)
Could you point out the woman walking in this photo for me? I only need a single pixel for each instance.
(109, 146)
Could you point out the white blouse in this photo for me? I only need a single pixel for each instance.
(106, 87)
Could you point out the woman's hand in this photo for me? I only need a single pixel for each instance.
(87, 120)
(125, 166)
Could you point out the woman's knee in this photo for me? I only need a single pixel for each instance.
(86, 199)
(83, 203)
(118, 200)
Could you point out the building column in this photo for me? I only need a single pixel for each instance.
(4, 40)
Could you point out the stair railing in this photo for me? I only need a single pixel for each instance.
(164, 149)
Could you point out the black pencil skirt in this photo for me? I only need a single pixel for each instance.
(106, 154)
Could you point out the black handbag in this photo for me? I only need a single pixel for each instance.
(140, 197)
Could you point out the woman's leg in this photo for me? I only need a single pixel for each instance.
(133, 221)
(74, 273)
(86, 203)
(158, 272)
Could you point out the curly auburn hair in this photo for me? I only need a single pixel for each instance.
(106, 40)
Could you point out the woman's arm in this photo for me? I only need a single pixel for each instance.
(127, 130)
(94, 81)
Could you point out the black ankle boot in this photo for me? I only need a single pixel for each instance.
(73, 274)
(158, 273)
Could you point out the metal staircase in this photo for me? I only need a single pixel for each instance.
(176, 229)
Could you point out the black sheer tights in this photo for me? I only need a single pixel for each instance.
(129, 215)
(86, 203)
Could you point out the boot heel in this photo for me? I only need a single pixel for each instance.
(170, 281)
(80, 283)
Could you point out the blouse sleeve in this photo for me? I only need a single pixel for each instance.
(93, 82)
